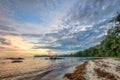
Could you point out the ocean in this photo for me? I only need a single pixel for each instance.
(38, 68)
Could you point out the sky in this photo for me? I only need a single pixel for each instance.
(29, 27)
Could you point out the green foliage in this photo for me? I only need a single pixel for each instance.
(109, 47)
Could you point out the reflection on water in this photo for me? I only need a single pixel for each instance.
(36, 68)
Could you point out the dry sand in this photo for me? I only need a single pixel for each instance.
(99, 69)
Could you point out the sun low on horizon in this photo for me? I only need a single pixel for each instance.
(29, 27)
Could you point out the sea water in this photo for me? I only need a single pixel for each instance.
(38, 68)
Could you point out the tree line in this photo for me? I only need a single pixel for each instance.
(109, 47)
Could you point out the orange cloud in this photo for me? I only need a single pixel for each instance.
(19, 46)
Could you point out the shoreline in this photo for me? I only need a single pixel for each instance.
(98, 69)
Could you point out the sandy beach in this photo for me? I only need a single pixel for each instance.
(99, 69)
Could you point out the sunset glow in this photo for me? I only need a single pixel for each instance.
(31, 27)
(16, 44)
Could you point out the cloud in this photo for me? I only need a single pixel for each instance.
(12, 44)
(56, 25)
(4, 41)
(84, 26)
(16, 28)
